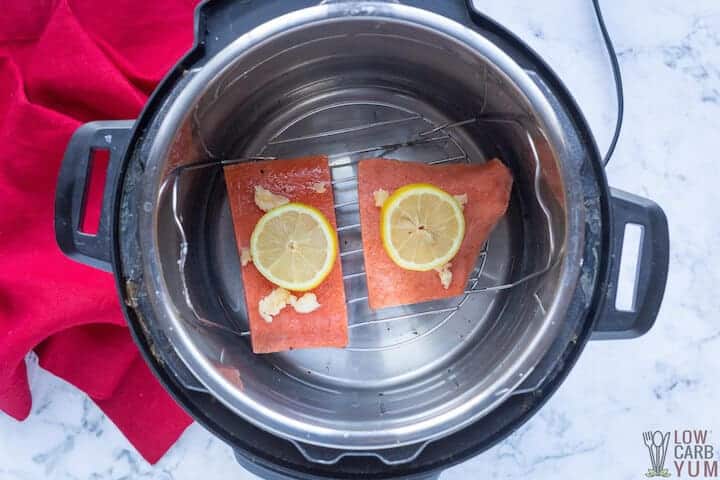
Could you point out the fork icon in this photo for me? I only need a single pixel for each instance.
(647, 438)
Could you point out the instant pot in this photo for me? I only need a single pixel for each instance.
(419, 388)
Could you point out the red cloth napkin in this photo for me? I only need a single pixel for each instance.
(63, 63)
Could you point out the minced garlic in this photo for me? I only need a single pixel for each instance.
(280, 298)
(319, 187)
(445, 275)
(245, 256)
(266, 200)
(306, 304)
(461, 199)
(274, 303)
(381, 197)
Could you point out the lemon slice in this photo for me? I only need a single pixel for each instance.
(422, 227)
(294, 246)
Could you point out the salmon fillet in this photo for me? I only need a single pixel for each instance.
(488, 189)
(296, 179)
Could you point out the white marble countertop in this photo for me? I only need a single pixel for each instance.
(670, 56)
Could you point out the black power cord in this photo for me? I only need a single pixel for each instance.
(618, 81)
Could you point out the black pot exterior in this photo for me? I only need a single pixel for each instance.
(591, 309)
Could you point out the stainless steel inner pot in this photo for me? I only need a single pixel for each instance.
(342, 80)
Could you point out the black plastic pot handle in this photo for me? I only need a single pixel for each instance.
(652, 268)
(70, 195)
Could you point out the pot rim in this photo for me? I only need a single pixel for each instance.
(282, 425)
